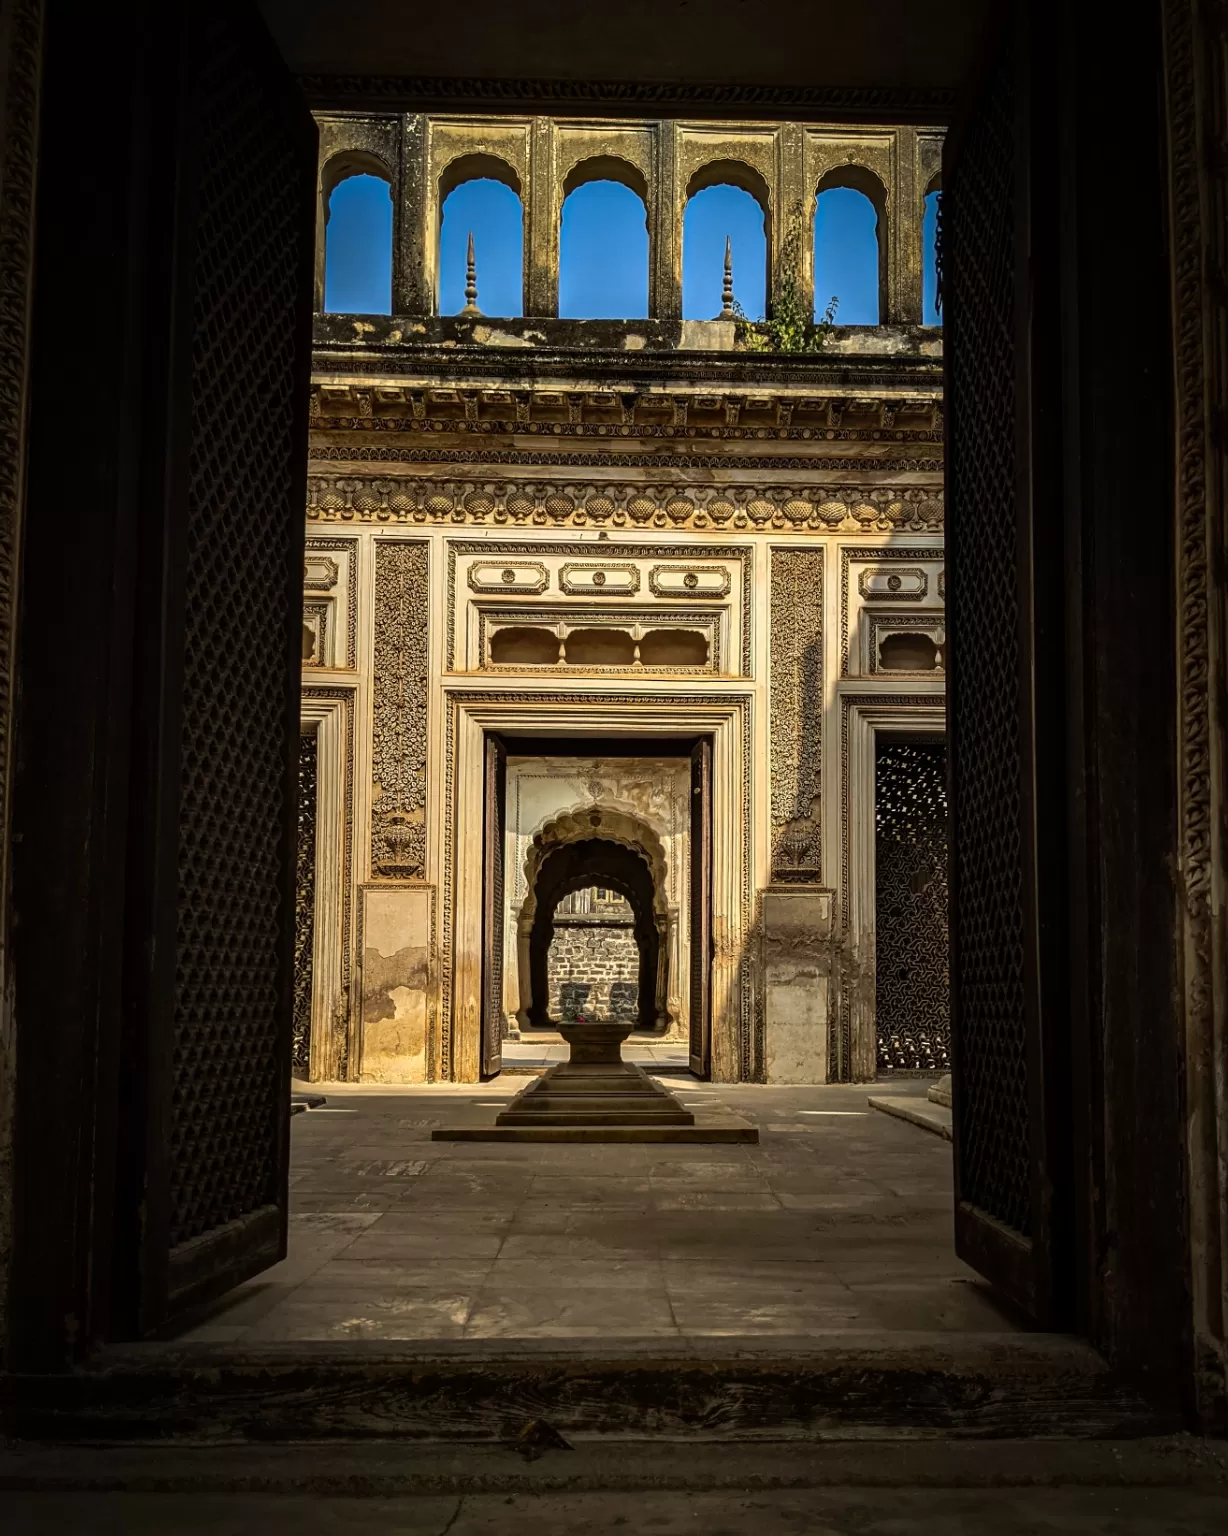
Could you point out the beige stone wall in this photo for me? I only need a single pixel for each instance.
(795, 652)
(596, 957)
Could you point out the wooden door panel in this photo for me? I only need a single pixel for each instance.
(494, 821)
(213, 845)
(701, 909)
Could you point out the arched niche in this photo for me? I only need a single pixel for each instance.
(752, 247)
(619, 830)
(864, 182)
(664, 648)
(524, 645)
(909, 651)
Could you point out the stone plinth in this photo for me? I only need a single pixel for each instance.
(597, 1096)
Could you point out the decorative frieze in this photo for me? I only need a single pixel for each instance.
(631, 504)
(797, 715)
(399, 710)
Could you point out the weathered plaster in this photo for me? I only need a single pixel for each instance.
(397, 977)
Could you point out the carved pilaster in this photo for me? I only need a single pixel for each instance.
(904, 218)
(793, 198)
(665, 299)
(399, 710)
(796, 724)
(413, 287)
(541, 237)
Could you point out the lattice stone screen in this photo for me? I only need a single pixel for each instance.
(912, 991)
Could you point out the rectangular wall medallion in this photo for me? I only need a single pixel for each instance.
(689, 581)
(528, 577)
(599, 580)
(320, 573)
(878, 584)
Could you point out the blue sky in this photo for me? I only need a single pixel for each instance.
(604, 252)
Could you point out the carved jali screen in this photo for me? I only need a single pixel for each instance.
(912, 987)
(304, 902)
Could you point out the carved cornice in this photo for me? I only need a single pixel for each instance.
(603, 458)
(640, 98)
(630, 505)
(845, 406)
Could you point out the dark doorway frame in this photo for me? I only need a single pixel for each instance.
(695, 749)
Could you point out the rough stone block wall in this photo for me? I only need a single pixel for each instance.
(594, 970)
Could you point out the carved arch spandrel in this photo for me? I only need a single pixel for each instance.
(587, 820)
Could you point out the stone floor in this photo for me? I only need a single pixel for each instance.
(838, 1221)
(925, 1511)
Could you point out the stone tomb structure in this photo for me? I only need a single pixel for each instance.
(614, 605)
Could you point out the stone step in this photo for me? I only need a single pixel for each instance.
(842, 1387)
(579, 1084)
(594, 1104)
(595, 1117)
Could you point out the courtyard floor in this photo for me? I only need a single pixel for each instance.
(839, 1221)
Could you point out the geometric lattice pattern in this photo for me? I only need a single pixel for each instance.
(304, 903)
(984, 687)
(244, 555)
(912, 989)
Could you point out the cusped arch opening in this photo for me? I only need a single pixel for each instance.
(572, 866)
(604, 246)
(850, 245)
(357, 206)
(477, 167)
(347, 163)
(607, 168)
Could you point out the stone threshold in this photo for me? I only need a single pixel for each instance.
(929, 1116)
(384, 1470)
(833, 1386)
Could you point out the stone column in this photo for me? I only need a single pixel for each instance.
(413, 290)
(541, 235)
(321, 241)
(904, 216)
(665, 292)
(793, 197)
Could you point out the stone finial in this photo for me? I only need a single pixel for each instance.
(471, 283)
(727, 310)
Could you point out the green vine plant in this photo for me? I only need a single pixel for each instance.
(792, 326)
